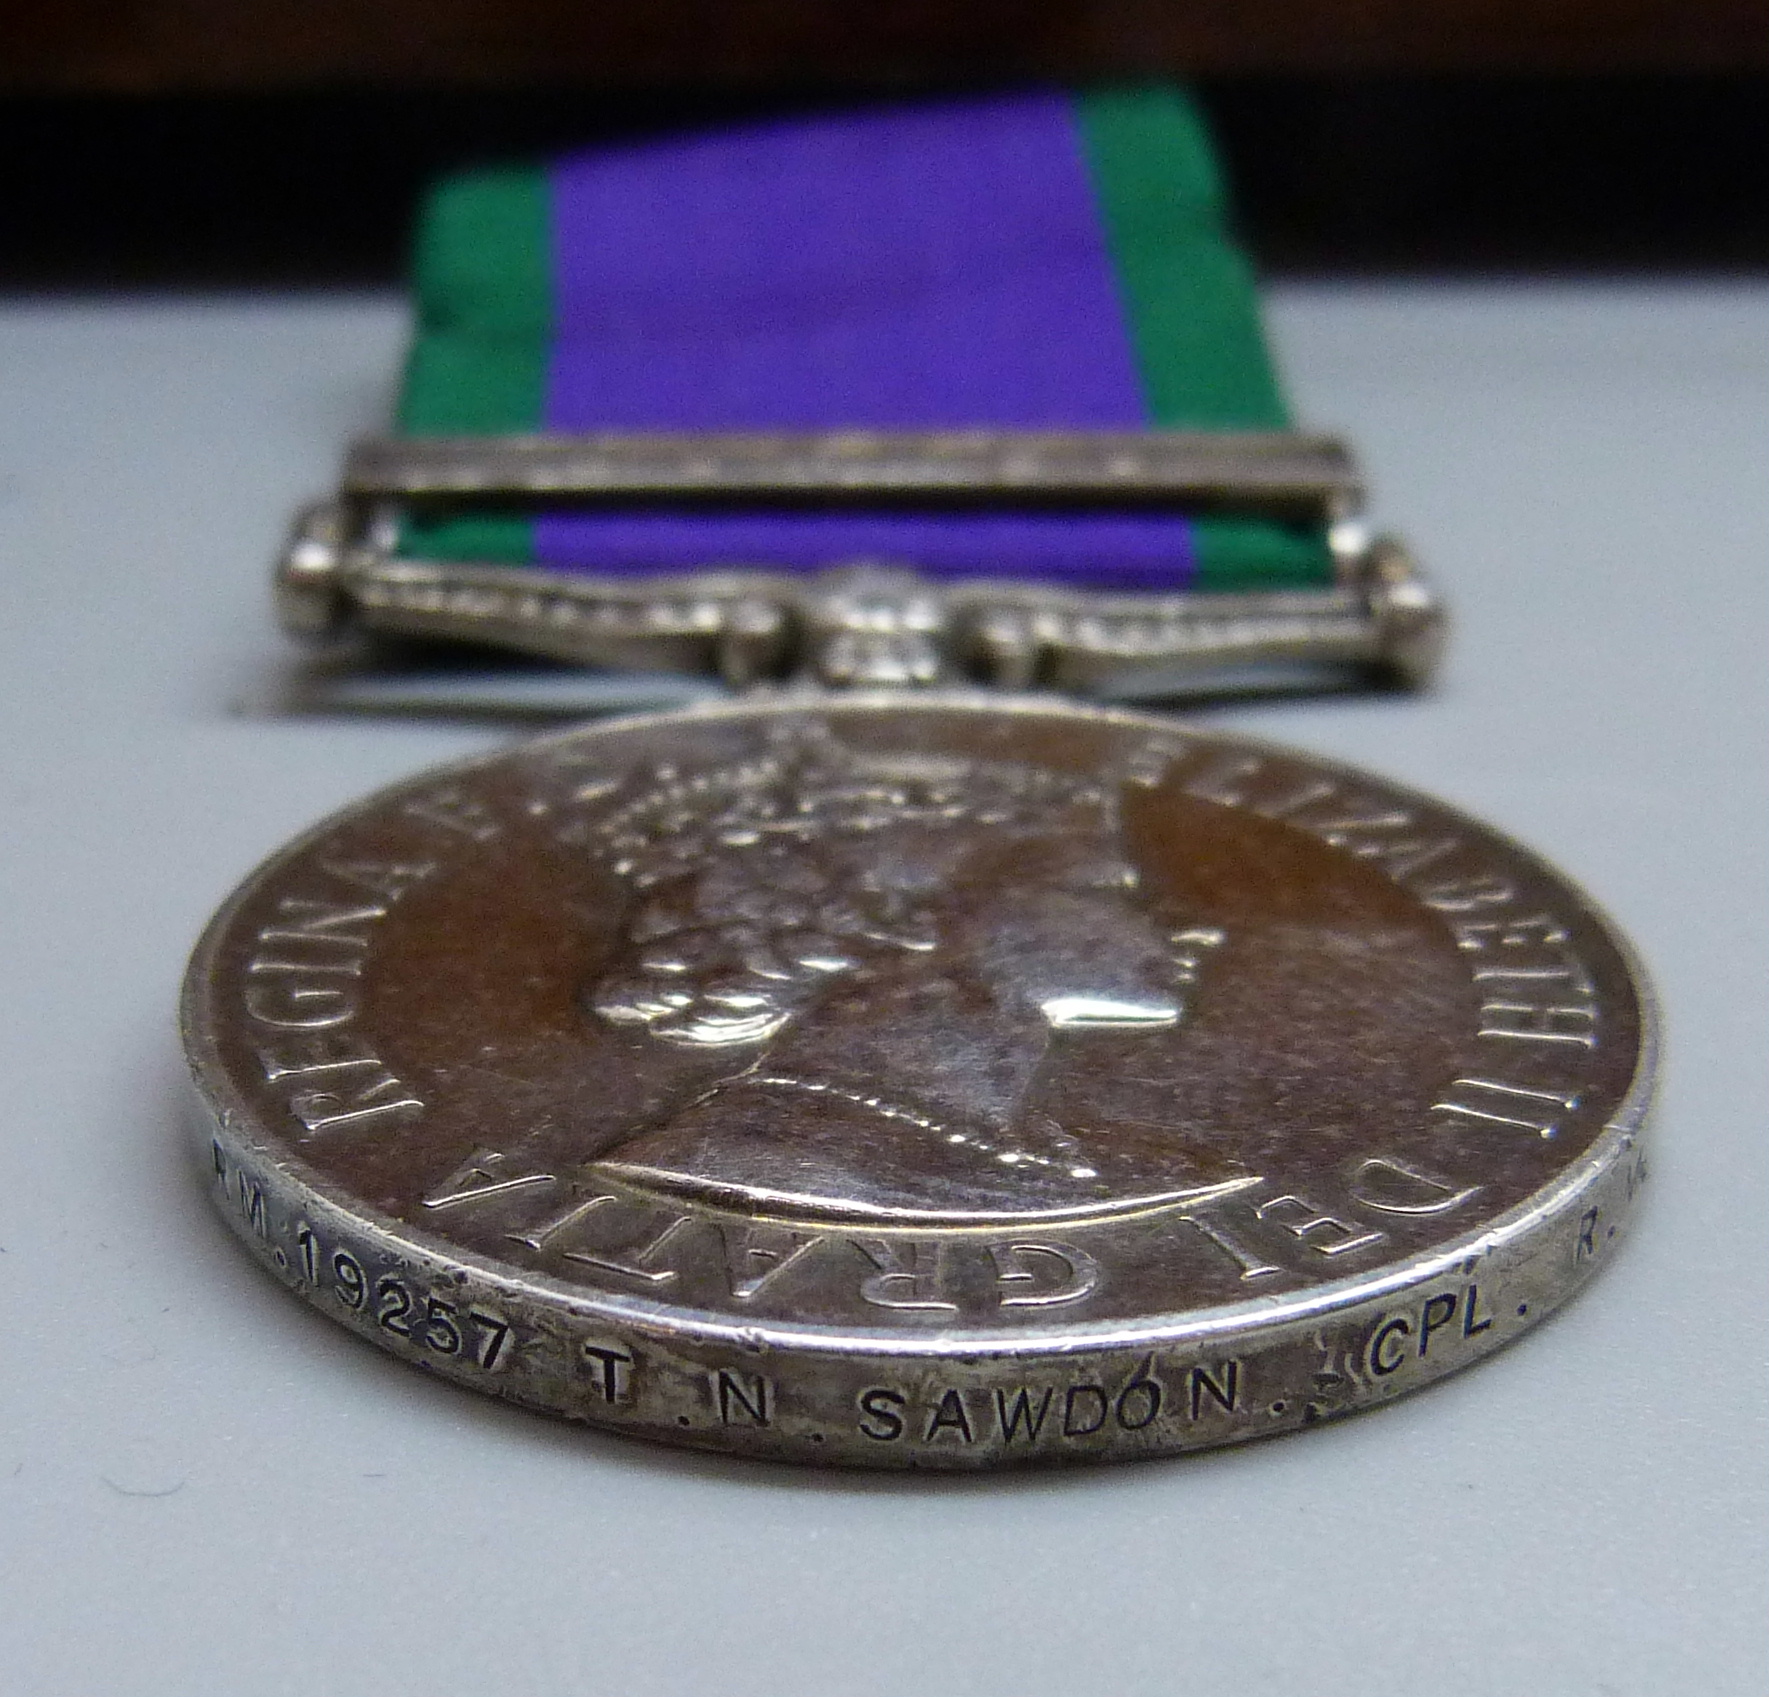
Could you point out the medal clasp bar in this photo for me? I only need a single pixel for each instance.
(865, 623)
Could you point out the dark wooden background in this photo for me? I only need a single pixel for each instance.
(255, 44)
(282, 141)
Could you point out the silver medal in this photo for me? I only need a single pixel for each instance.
(921, 1079)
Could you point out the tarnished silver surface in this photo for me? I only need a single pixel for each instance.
(920, 1081)
(867, 623)
(1279, 470)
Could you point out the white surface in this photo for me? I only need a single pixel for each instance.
(205, 1488)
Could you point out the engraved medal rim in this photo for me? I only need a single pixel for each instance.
(1249, 1317)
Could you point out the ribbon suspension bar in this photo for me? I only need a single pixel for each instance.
(1277, 472)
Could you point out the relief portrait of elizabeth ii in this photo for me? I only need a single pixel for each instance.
(895, 987)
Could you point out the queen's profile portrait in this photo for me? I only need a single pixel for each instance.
(898, 987)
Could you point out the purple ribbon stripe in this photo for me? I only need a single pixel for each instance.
(903, 269)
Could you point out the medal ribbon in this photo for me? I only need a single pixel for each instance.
(1037, 261)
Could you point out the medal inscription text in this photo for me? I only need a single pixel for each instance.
(303, 995)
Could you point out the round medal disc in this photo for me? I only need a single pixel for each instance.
(920, 1082)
